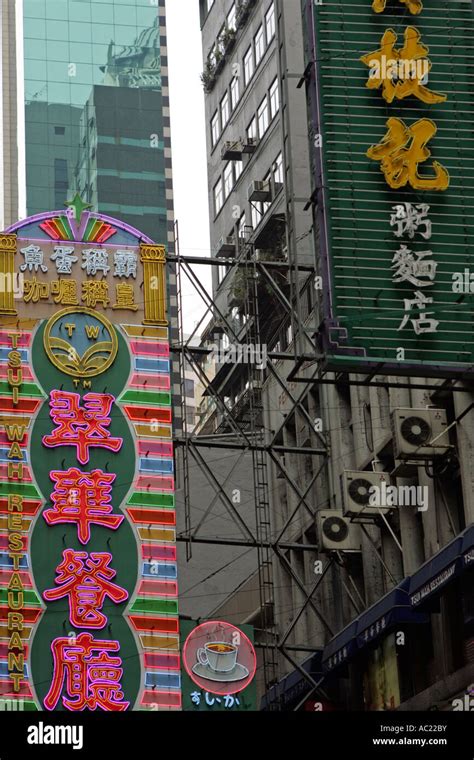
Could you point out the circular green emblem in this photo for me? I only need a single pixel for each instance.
(80, 342)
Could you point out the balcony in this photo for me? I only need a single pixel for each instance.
(247, 410)
(244, 9)
(209, 77)
(271, 231)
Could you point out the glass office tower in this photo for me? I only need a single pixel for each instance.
(96, 109)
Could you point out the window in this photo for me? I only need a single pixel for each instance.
(218, 196)
(252, 129)
(249, 65)
(270, 22)
(221, 273)
(256, 208)
(274, 99)
(266, 204)
(225, 110)
(61, 183)
(234, 92)
(215, 132)
(241, 228)
(278, 169)
(189, 387)
(259, 45)
(238, 169)
(262, 117)
(220, 41)
(59, 130)
(231, 18)
(228, 179)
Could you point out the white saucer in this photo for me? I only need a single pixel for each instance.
(238, 673)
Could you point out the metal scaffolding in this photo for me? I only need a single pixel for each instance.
(241, 429)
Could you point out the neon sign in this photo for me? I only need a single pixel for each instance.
(89, 672)
(83, 498)
(88, 592)
(86, 580)
(81, 426)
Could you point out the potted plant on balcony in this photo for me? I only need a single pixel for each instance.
(243, 10)
(239, 288)
(228, 39)
(208, 76)
(242, 13)
(219, 58)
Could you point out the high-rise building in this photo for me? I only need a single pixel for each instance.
(96, 109)
(9, 116)
(373, 604)
(259, 188)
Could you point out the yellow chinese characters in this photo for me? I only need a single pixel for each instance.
(125, 297)
(34, 291)
(94, 292)
(401, 72)
(402, 150)
(65, 292)
(414, 6)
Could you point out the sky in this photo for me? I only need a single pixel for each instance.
(188, 142)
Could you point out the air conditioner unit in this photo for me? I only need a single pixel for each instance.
(259, 191)
(415, 429)
(337, 533)
(225, 246)
(232, 151)
(356, 492)
(249, 145)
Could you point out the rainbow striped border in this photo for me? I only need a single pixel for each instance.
(31, 397)
(150, 507)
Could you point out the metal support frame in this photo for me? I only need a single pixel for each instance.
(265, 447)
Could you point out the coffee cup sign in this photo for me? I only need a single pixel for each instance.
(219, 658)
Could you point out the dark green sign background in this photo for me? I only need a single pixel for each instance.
(362, 244)
(49, 541)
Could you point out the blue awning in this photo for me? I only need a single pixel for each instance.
(468, 548)
(294, 684)
(437, 572)
(340, 648)
(392, 609)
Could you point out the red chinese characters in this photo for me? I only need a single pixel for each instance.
(88, 673)
(83, 498)
(81, 426)
(86, 580)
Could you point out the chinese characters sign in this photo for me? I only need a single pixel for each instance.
(88, 591)
(391, 109)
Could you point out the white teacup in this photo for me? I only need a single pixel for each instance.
(219, 656)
